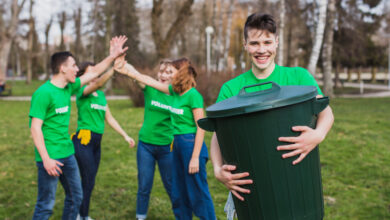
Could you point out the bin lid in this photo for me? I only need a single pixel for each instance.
(274, 97)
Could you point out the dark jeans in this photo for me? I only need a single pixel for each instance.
(88, 159)
(147, 155)
(47, 187)
(190, 192)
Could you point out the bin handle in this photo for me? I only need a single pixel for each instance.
(320, 104)
(275, 87)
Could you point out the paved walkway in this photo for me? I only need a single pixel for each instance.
(383, 91)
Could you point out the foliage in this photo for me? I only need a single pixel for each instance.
(353, 44)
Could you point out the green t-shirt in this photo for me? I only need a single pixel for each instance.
(91, 110)
(182, 116)
(157, 128)
(284, 76)
(52, 105)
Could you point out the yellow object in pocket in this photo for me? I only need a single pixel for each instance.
(85, 136)
(172, 146)
(71, 136)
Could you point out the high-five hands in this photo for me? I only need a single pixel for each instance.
(116, 46)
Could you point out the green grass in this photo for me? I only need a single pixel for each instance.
(20, 88)
(355, 160)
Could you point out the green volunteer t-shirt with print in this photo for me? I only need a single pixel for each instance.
(91, 110)
(52, 105)
(284, 76)
(182, 116)
(157, 128)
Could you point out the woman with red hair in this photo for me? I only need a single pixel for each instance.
(190, 192)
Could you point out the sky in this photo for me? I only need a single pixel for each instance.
(45, 9)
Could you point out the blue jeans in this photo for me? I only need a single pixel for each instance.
(147, 155)
(47, 187)
(88, 159)
(190, 192)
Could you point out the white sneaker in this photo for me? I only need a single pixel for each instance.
(83, 218)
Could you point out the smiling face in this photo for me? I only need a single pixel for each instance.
(166, 73)
(261, 47)
(69, 69)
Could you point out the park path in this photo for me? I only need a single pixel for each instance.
(383, 91)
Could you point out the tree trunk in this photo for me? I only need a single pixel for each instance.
(281, 32)
(7, 35)
(62, 21)
(95, 29)
(163, 45)
(30, 44)
(18, 63)
(219, 47)
(315, 53)
(337, 81)
(227, 34)
(77, 23)
(349, 78)
(373, 74)
(327, 49)
(47, 52)
(5, 48)
(359, 74)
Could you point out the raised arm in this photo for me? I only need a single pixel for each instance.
(124, 68)
(50, 165)
(115, 125)
(116, 49)
(101, 81)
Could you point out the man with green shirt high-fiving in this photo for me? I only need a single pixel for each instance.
(261, 42)
(49, 122)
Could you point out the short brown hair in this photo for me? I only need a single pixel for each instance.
(264, 22)
(59, 58)
(185, 77)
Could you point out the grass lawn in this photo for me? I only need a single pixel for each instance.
(20, 88)
(355, 161)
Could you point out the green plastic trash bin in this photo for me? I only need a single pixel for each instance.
(248, 127)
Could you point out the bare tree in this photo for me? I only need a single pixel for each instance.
(219, 28)
(319, 35)
(327, 49)
(7, 35)
(281, 32)
(30, 41)
(228, 30)
(77, 23)
(108, 15)
(163, 44)
(47, 52)
(62, 22)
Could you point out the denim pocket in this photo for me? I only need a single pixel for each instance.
(187, 137)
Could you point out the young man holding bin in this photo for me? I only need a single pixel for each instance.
(261, 42)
